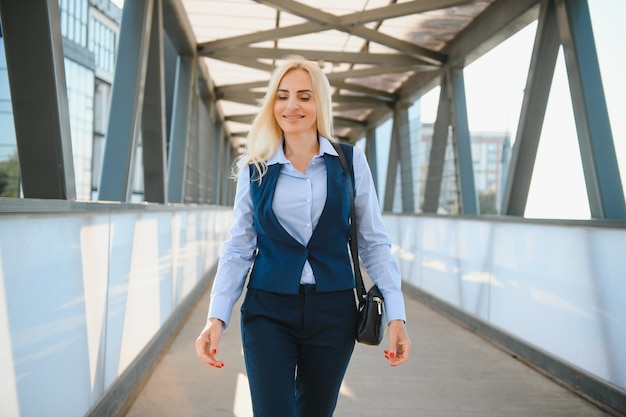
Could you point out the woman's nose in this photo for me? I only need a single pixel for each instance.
(292, 104)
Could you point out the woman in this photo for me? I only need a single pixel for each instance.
(298, 318)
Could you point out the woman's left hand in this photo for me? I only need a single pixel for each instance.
(399, 344)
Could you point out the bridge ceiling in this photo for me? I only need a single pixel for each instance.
(370, 50)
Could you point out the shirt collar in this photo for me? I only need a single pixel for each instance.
(325, 147)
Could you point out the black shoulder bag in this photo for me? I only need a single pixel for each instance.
(370, 328)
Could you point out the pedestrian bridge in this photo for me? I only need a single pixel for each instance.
(527, 316)
(108, 244)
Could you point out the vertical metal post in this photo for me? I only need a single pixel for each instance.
(370, 153)
(218, 177)
(153, 118)
(392, 173)
(185, 76)
(403, 137)
(33, 41)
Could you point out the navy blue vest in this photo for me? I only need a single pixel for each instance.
(280, 258)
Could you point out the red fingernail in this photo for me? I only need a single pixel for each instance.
(213, 351)
(393, 355)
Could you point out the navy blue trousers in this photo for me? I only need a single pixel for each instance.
(296, 349)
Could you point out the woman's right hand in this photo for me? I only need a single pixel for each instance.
(206, 343)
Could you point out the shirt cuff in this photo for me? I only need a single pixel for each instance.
(394, 307)
(221, 308)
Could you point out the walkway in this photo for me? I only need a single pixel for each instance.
(452, 372)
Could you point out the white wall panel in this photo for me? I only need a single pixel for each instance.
(94, 242)
(560, 288)
(45, 298)
(472, 248)
(81, 295)
(120, 258)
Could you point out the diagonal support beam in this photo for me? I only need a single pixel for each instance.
(462, 145)
(126, 102)
(34, 52)
(439, 143)
(597, 149)
(347, 21)
(534, 104)
(331, 21)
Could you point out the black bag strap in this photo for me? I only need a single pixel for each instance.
(354, 250)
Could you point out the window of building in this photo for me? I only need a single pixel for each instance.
(80, 95)
(102, 44)
(74, 20)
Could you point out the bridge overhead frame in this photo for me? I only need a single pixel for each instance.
(169, 113)
(185, 153)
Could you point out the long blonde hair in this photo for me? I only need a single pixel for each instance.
(265, 135)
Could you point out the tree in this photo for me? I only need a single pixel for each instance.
(487, 202)
(10, 177)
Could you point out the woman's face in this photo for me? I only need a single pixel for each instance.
(295, 108)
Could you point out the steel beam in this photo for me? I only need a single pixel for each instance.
(463, 145)
(402, 134)
(438, 147)
(498, 22)
(126, 102)
(371, 154)
(35, 65)
(218, 173)
(534, 104)
(179, 133)
(392, 174)
(153, 130)
(601, 170)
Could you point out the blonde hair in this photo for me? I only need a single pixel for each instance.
(265, 135)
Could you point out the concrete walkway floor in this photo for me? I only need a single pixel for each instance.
(452, 372)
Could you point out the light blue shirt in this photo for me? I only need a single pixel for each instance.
(298, 203)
